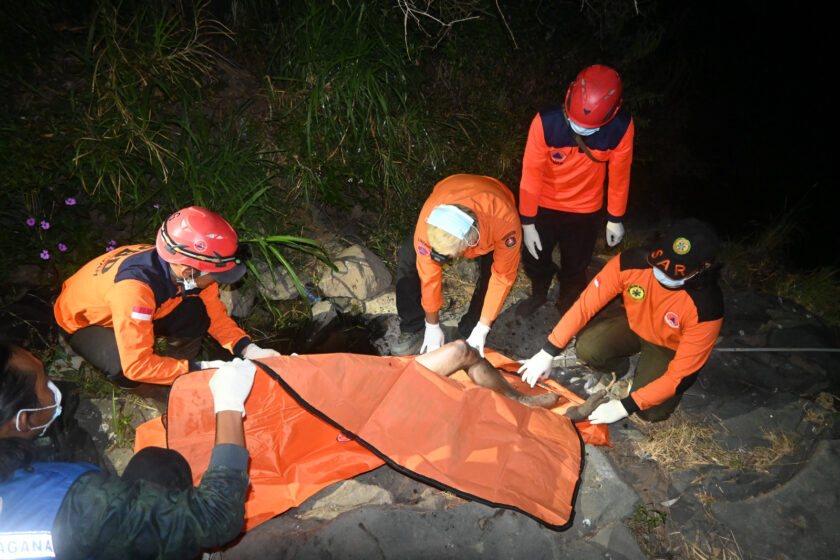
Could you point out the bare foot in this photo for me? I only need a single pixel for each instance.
(582, 411)
(545, 400)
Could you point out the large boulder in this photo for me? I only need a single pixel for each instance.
(360, 274)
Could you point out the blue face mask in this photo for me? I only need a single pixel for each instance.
(583, 131)
(56, 404)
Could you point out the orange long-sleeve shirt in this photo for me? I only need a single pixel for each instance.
(499, 231)
(127, 289)
(685, 320)
(557, 175)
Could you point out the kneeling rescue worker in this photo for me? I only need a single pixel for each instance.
(672, 315)
(112, 309)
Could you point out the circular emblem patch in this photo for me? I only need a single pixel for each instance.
(422, 250)
(200, 246)
(510, 242)
(636, 292)
(682, 245)
(672, 319)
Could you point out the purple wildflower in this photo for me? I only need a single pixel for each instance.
(45, 255)
(156, 206)
(70, 201)
(62, 247)
(45, 224)
(30, 222)
(112, 243)
(109, 248)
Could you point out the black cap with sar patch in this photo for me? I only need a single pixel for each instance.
(684, 248)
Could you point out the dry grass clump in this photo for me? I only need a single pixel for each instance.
(718, 547)
(684, 442)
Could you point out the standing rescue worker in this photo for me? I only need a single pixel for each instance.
(672, 314)
(76, 511)
(466, 215)
(572, 150)
(112, 309)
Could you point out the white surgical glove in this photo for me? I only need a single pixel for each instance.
(615, 233)
(231, 385)
(433, 338)
(478, 336)
(531, 239)
(536, 367)
(609, 412)
(211, 364)
(254, 352)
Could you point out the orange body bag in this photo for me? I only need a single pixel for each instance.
(314, 420)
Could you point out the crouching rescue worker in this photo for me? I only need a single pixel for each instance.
(468, 216)
(114, 307)
(672, 314)
(76, 511)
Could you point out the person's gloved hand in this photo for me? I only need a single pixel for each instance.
(531, 239)
(609, 412)
(615, 233)
(231, 385)
(433, 338)
(211, 364)
(478, 336)
(536, 367)
(254, 352)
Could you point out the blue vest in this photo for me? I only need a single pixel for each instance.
(29, 503)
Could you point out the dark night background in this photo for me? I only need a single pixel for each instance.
(733, 105)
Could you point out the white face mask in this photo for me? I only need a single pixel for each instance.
(57, 405)
(583, 131)
(190, 283)
(669, 282)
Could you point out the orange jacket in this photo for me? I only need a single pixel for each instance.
(556, 174)
(499, 230)
(127, 290)
(685, 320)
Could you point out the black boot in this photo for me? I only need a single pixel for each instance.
(539, 295)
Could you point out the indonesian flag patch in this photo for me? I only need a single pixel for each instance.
(141, 313)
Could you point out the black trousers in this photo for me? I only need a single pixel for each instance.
(412, 315)
(575, 235)
(184, 329)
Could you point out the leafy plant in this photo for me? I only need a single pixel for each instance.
(646, 519)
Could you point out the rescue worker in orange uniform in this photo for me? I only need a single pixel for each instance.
(571, 151)
(466, 215)
(672, 314)
(114, 307)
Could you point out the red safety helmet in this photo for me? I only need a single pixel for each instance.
(203, 240)
(594, 97)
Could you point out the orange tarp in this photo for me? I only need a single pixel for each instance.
(449, 432)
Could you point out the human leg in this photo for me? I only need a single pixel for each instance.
(98, 345)
(576, 236)
(653, 363)
(459, 355)
(606, 343)
(409, 309)
(541, 270)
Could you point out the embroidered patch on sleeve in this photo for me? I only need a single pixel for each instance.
(141, 313)
(672, 319)
(510, 242)
(636, 292)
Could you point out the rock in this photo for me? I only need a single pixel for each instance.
(348, 496)
(238, 299)
(360, 274)
(383, 304)
(275, 283)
